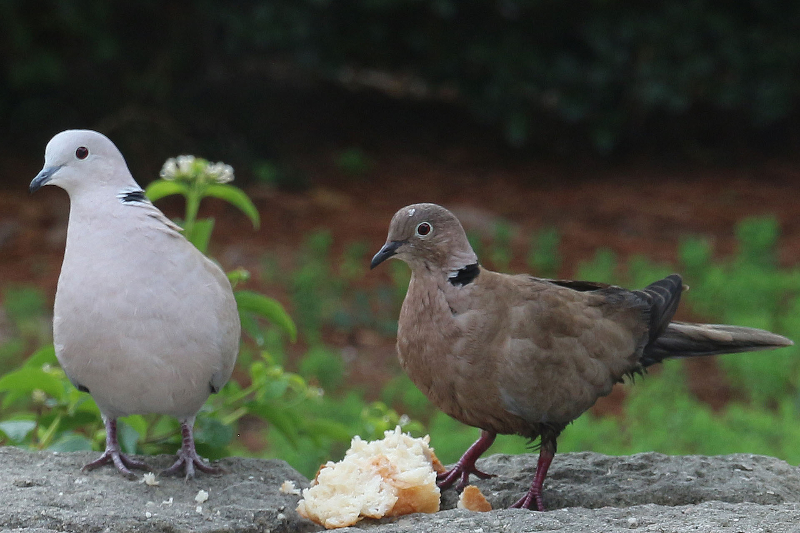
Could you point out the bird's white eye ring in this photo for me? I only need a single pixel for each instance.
(424, 229)
(82, 152)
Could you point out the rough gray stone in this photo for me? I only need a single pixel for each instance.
(46, 492)
(592, 481)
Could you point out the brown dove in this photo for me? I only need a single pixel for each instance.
(516, 354)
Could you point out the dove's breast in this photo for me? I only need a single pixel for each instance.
(143, 321)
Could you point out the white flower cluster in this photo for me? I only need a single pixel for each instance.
(188, 167)
(220, 172)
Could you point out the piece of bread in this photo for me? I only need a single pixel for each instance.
(472, 499)
(387, 477)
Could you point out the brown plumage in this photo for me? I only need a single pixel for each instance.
(523, 355)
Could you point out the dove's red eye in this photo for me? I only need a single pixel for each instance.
(82, 152)
(423, 228)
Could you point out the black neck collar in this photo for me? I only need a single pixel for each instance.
(466, 275)
(132, 196)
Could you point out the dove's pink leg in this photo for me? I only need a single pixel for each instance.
(534, 494)
(466, 465)
(113, 453)
(187, 455)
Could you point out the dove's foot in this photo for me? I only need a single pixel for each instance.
(120, 460)
(534, 494)
(114, 455)
(188, 460)
(466, 465)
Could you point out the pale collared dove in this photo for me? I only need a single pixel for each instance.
(142, 321)
(523, 355)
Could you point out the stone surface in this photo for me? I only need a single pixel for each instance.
(44, 492)
(48, 492)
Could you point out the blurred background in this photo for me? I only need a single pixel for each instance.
(613, 141)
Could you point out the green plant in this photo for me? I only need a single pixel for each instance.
(543, 258)
(314, 287)
(354, 162)
(194, 179)
(43, 410)
(500, 252)
(24, 311)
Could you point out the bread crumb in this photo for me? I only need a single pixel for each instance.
(472, 499)
(149, 479)
(438, 467)
(202, 496)
(388, 477)
(288, 487)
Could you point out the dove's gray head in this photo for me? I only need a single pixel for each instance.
(78, 160)
(427, 236)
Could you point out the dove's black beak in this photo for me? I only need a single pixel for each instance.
(43, 177)
(389, 249)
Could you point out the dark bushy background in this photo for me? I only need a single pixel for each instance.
(607, 75)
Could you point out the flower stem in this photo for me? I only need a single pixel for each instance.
(193, 197)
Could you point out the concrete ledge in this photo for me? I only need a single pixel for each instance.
(44, 492)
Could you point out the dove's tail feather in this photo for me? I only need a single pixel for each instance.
(663, 296)
(683, 339)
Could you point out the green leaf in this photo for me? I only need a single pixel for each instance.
(161, 188)
(273, 390)
(71, 442)
(137, 423)
(49, 433)
(329, 428)
(43, 356)
(238, 276)
(17, 430)
(237, 197)
(27, 379)
(83, 403)
(284, 422)
(128, 437)
(201, 233)
(81, 419)
(212, 432)
(268, 308)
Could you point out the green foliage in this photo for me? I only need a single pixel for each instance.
(354, 162)
(195, 179)
(543, 258)
(23, 305)
(603, 267)
(749, 289)
(323, 365)
(257, 305)
(42, 410)
(329, 297)
(500, 250)
(280, 176)
(314, 288)
(401, 391)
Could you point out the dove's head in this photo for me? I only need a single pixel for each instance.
(77, 160)
(427, 236)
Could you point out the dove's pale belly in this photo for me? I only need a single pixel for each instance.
(156, 338)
